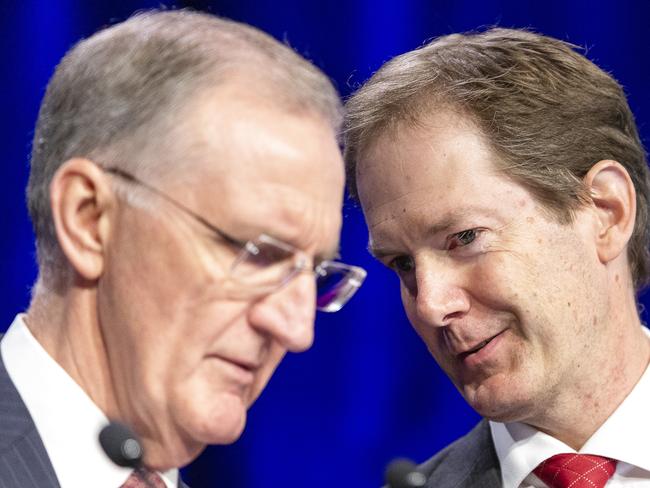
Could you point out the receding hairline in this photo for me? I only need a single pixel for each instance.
(254, 59)
(265, 93)
(114, 93)
(252, 52)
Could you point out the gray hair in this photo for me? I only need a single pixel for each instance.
(114, 94)
(548, 112)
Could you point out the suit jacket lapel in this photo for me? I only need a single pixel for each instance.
(485, 472)
(470, 462)
(24, 462)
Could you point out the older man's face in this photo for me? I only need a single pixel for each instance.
(186, 357)
(507, 300)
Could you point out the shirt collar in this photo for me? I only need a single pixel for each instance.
(520, 447)
(624, 435)
(67, 420)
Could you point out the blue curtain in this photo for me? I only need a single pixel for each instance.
(368, 390)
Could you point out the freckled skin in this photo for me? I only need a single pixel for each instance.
(514, 280)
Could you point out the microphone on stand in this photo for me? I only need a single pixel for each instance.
(403, 473)
(122, 446)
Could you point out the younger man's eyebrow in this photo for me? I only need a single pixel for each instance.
(445, 224)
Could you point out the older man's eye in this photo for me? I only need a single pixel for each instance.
(402, 264)
(263, 254)
(461, 239)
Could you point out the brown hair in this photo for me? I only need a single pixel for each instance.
(548, 112)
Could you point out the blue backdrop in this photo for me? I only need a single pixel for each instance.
(368, 390)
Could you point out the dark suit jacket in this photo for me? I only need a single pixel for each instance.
(470, 462)
(24, 462)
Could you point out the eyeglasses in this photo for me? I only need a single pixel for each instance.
(266, 264)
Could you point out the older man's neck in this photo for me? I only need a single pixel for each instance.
(66, 325)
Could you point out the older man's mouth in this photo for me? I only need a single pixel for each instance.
(238, 370)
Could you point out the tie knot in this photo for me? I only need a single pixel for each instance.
(576, 471)
(144, 478)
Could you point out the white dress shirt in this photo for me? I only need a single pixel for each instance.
(67, 420)
(625, 436)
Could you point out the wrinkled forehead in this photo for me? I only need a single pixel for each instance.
(246, 118)
(274, 169)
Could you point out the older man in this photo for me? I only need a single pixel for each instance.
(502, 179)
(185, 187)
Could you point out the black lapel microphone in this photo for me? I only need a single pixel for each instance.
(403, 473)
(122, 446)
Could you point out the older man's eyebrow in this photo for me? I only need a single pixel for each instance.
(331, 255)
(379, 252)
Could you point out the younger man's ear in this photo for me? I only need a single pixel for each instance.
(614, 197)
(80, 196)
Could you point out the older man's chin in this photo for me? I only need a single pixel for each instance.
(196, 429)
(220, 423)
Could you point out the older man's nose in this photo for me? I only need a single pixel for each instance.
(288, 314)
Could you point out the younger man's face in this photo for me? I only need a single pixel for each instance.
(507, 300)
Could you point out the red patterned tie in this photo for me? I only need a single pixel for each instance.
(143, 478)
(576, 471)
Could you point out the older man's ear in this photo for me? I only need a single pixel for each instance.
(80, 198)
(614, 198)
